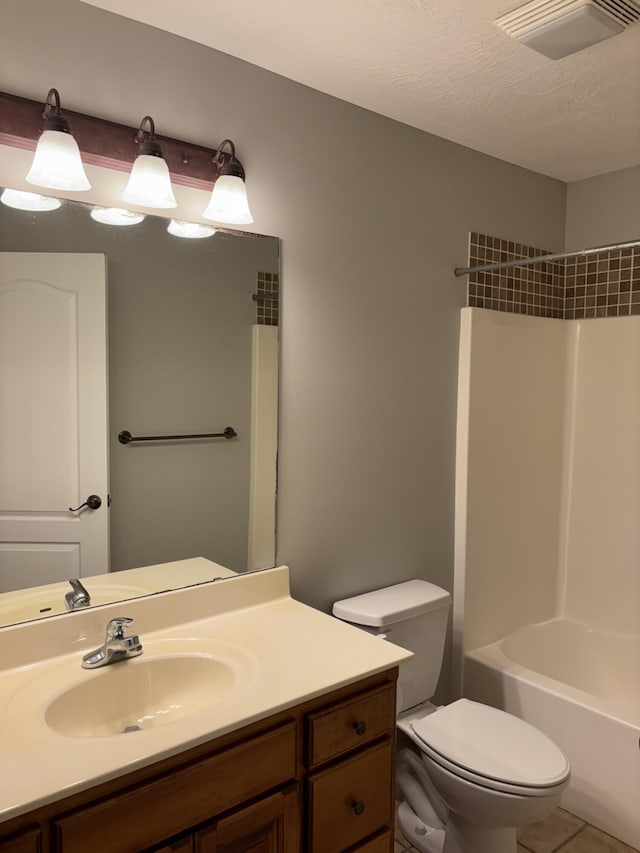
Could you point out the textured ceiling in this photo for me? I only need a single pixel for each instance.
(438, 65)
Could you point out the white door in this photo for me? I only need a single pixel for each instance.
(53, 418)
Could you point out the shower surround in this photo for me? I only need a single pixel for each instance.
(547, 508)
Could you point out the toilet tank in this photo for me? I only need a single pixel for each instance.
(412, 615)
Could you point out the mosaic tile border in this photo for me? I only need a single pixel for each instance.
(268, 308)
(604, 284)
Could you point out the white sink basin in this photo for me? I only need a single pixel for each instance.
(139, 694)
(172, 680)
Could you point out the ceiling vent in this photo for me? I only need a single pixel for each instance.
(557, 28)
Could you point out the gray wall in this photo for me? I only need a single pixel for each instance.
(180, 318)
(374, 216)
(604, 209)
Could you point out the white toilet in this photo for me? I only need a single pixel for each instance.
(487, 772)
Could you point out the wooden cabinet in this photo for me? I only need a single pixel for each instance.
(347, 802)
(145, 815)
(344, 726)
(269, 826)
(350, 752)
(382, 843)
(27, 841)
(317, 778)
(182, 845)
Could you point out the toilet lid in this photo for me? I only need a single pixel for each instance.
(493, 744)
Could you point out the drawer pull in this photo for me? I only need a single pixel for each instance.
(360, 727)
(358, 807)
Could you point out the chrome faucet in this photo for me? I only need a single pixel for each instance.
(116, 646)
(78, 597)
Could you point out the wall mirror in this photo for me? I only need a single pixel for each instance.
(191, 349)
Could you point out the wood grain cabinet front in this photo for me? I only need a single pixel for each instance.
(349, 753)
(315, 778)
(350, 724)
(146, 814)
(382, 843)
(351, 800)
(182, 845)
(269, 826)
(27, 841)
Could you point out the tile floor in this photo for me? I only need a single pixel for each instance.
(561, 832)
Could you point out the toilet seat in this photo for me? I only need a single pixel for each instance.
(491, 748)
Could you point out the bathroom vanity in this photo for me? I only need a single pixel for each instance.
(321, 770)
(296, 755)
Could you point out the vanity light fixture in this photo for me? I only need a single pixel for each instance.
(149, 182)
(108, 145)
(57, 164)
(190, 230)
(22, 200)
(116, 216)
(228, 203)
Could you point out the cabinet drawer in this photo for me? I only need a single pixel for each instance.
(351, 800)
(166, 806)
(349, 724)
(380, 844)
(182, 845)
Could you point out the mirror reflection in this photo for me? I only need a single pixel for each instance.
(190, 351)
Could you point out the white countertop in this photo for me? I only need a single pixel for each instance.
(290, 653)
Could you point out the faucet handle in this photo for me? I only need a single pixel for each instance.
(78, 597)
(116, 626)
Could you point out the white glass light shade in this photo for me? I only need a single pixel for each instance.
(228, 202)
(28, 201)
(190, 230)
(149, 183)
(116, 216)
(56, 164)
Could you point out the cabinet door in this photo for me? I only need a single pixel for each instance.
(269, 826)
(29, 841)
(165, 807)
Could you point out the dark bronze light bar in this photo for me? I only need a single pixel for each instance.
(104, 143)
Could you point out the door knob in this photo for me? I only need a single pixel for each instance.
(93, 502)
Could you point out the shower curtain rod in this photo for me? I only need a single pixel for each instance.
(525, 262)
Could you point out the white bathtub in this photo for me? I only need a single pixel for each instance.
(582, 688)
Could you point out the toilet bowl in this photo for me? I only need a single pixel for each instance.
(472, 773)
(493, 771)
